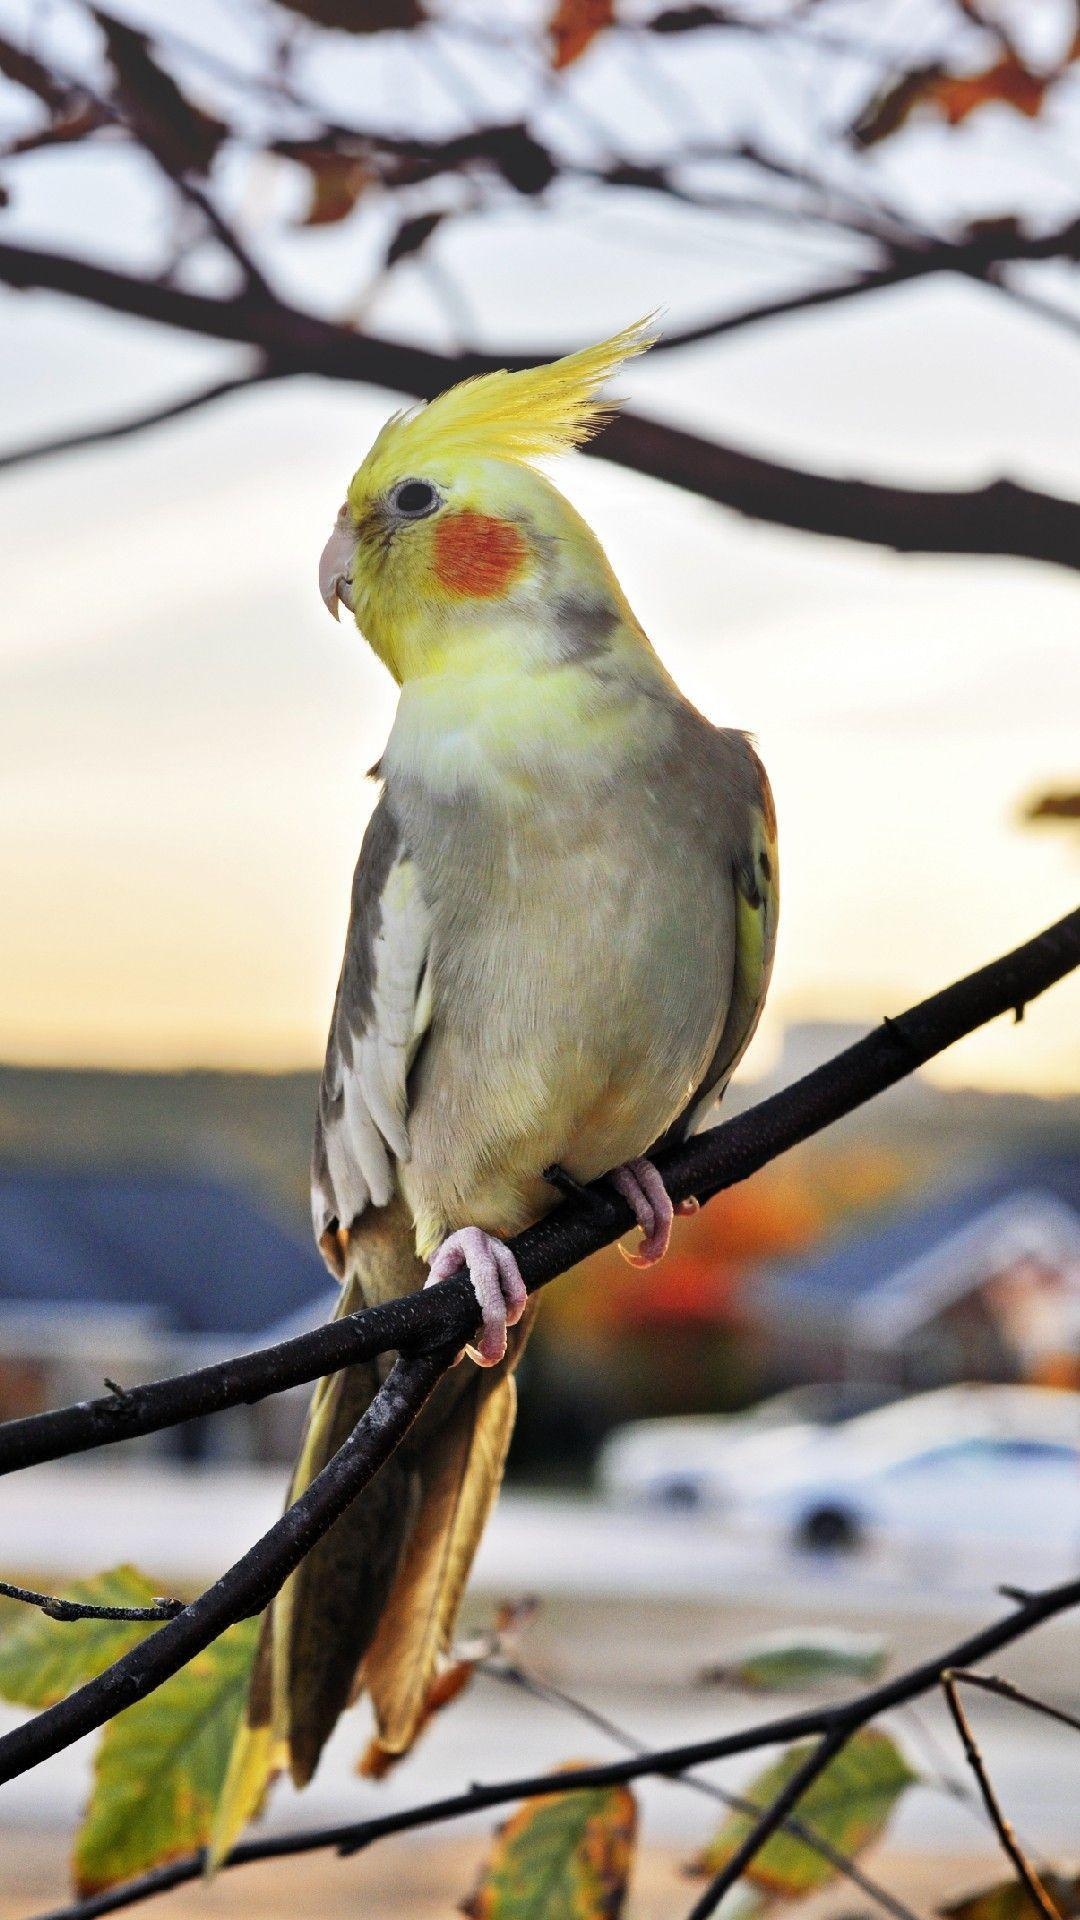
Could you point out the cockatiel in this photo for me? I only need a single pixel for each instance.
(560, 939)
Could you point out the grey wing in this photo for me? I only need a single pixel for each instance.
(381, 1012)
(746, 841)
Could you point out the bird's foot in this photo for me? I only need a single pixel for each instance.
(643, 1189)
(496, 1282)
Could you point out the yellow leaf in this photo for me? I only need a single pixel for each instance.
(565, 1856)
(254, 1764)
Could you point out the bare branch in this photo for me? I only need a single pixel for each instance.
(713, 1161)
(1066, 318)
(837, 1723)
(175, 136)
(1010, 1845)
(443, 1318)
(771, 1819)
(1007, 1690)
(1000, 518)
(60, 1609)
(841, 1863)
(255, 283)
(135, 423)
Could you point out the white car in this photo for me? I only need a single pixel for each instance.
(709, 1461)
(979, 1465)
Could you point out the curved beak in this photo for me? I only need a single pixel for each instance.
(335, 577)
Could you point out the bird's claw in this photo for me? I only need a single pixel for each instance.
(643, 1189)
(496, 1281)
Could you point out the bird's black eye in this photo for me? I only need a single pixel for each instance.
(414, 498)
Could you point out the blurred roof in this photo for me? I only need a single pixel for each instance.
(196, 1256)
(910, 1260)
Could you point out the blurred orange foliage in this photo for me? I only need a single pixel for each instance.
(573, 27)
(780, 1213)
(1007, 81)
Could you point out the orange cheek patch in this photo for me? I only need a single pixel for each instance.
(476, 556)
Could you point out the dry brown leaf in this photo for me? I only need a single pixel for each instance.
(574, 26)
(337, 179)
(181, 135)
(955, 97)
(377, 1761)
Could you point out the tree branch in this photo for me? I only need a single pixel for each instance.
(1008, 1690)
(1010, 1845)
(248, 1585)
(826, 1722)
(135, 423)
(771, 1818)
(158, 133)
(443, 1318)
(1066, 318)
(841, 1863)
(1000, 518)
(446, 1315)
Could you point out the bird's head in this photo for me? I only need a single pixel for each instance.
(448, 530)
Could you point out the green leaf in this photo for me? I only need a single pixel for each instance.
(41, 1660)
(786, 1662)
(161, 1764)
(849, 1805)
(565, 1856)
(1008, 1900)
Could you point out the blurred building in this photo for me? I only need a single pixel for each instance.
(980, 1281)
(129, 1276)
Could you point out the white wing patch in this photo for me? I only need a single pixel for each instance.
(365, 1090)
(387, 1048)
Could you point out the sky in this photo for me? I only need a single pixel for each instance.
(184, 732)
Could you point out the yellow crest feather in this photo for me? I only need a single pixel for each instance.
(507, 416)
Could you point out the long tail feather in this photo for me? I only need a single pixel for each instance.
(459, 1479)
(373, 1605)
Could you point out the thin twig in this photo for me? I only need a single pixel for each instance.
(662, 1763)
(255, 283)
(1058, 316)
(113, 109)
(60, 1609)
(1010, 1845)
(841, 1863)
(135, 423)
(1006, 1690)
